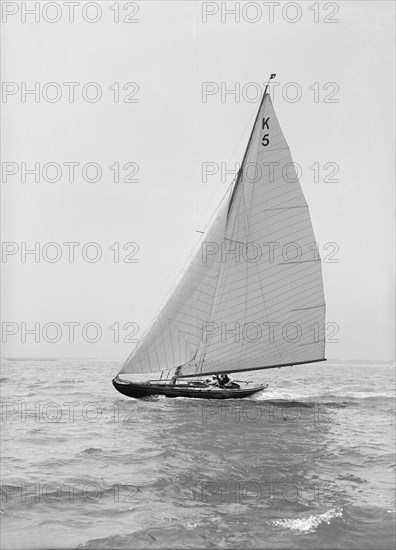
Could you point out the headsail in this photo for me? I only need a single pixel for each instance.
(253, 295)
(176, 333)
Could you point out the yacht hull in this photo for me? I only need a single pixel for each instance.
(146, 389)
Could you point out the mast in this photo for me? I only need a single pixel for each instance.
(240, 171)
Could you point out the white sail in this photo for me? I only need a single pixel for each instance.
(269, 307)
(176, 333)
(252, 296)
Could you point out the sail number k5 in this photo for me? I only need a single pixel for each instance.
(265, 138)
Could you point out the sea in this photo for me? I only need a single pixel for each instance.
(309, 463)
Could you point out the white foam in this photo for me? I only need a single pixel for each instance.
(310, 523)
(275, 394)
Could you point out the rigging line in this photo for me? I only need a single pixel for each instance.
(169, 284)
(247, 222)
(240, 172)
(181, 334)
(242, 217)
(189, 258)
(239, 223)
(248, 125)
(311, 307)
(163, 344)
(171, 341)
(222, 275)
(205, 344)
(188, 263)
(155, 346)
(256, 159)
(215, 209)
(148, 359)
(235, 230)
(212, 314)
(281, 212)
(247, 232)
(200, 217)
(297, 296)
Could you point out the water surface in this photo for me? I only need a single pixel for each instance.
(308, 463)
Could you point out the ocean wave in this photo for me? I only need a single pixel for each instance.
(91, 450)
(316, 394)
(352, 478)
(308, 524)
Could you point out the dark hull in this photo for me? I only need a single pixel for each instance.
(146, 389)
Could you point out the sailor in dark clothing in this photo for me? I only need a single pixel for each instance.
(219, 380)
(174, 377)
(223, 380)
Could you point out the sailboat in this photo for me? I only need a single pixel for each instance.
(251, 296)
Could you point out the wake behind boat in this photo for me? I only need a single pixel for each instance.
(251, 297)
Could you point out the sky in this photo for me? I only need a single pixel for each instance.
(153, 105)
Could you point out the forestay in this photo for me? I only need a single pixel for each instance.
(176, 332)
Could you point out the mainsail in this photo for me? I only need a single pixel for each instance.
(252, 296)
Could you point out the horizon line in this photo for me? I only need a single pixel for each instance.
(55, 358)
